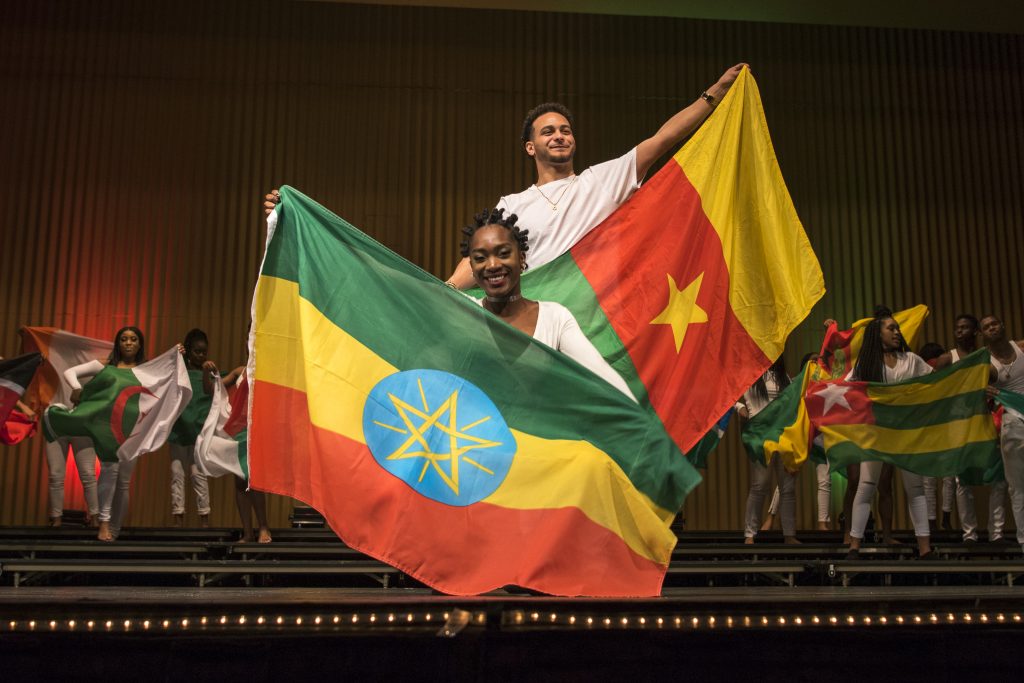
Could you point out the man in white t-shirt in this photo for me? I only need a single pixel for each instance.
(562, 207)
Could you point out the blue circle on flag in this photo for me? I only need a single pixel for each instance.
(440, 434)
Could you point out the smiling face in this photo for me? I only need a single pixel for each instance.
(128, 344)
(496, 261)
(552, 141)
(892, 340)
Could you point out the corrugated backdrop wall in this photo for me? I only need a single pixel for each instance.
(138, 139)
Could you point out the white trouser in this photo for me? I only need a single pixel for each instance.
(824, 492)
(760, 478)
(912, 484)
(966, 510)
(115, 482)
(85, 460)
(1012, 442)
(182, 458)
(997, 510)
(930, 485)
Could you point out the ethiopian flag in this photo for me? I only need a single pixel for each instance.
(691, 287)
(437, 438)
(937, 425)
(127, 412)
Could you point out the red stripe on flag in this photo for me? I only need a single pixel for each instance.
(664, 231)
(459, 550)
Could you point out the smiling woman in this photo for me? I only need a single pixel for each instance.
(496, 248)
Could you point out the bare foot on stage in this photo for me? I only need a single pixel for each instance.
(889, 540)
(824, 526)
(749, 540)
(204, 521)
(179, 520)
(264, 535)
(54, 521)
(791, 540)
(104, 532)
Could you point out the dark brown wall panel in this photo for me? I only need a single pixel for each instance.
(139, 137)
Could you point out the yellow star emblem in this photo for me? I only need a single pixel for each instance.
(433, 419)
(682, 309)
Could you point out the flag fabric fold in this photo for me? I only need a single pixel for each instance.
(937, 425)
(691, 287)
(439, 439)
(61, 350)
(15, 376)
(127, 412)
(222, 446)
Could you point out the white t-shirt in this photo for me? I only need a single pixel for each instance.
(754, 403)
(558, 329)
(583, 200)
(908, 366)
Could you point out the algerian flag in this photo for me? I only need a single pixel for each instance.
(222, 445)
(126, 411)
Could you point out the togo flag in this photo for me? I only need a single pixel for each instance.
(222, 446)
(441, 440)
(126, 411)
(937, 425)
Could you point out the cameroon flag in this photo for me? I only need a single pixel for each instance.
(691, 287)
(937, 425)
(437, 438)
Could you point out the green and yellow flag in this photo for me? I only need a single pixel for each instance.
(937, 425)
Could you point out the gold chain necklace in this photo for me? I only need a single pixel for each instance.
(554, 204)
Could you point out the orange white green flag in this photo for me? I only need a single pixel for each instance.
(439, 439)
(690, 289)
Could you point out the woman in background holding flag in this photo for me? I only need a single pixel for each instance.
(885, 357)
(756, 399)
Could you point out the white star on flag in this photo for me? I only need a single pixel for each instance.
(834, 394)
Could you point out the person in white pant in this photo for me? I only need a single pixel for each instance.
(965, 336)
(185, 431)
(1007, 373)
(85, 460)
(756, 399)
(115, 478)
(884, 357)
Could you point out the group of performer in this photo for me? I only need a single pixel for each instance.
(534, 227)
(107, 495)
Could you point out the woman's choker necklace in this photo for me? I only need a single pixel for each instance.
(504, 299)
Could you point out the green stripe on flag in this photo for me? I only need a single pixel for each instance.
(937, 412)
(975, 463)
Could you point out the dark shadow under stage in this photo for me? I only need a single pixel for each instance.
(195, 605)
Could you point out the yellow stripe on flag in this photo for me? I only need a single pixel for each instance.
(298, 347)
(931, 439)
(968, 379)
(775, 278)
